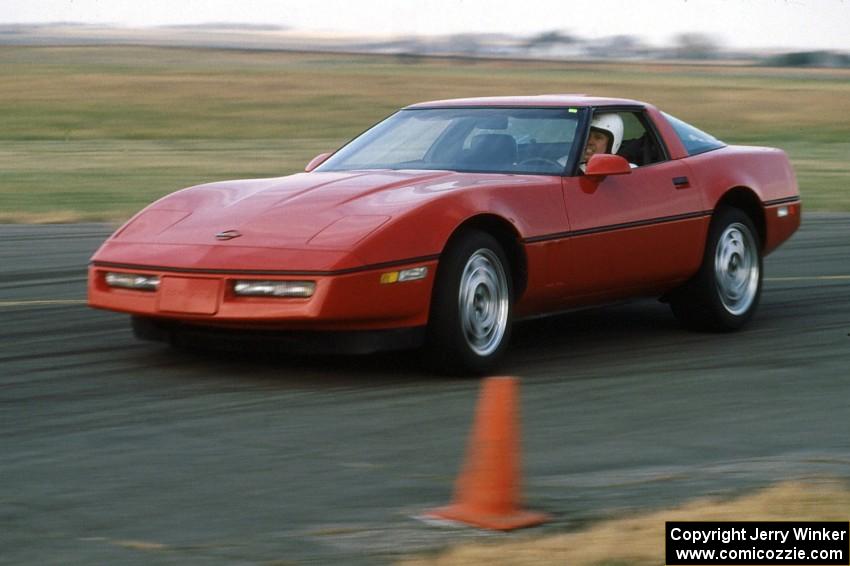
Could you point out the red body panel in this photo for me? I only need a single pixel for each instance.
(539, 101)
(766, 172)
(630, 232)
(584, 239)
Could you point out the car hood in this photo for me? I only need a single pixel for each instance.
(324, 210)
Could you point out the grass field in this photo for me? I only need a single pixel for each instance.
(94, 133)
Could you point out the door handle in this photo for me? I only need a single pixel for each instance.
(681, 182)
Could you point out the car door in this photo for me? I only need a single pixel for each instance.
(634, 233)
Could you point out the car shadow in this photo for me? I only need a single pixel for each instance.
(536, 344)
(591, 325)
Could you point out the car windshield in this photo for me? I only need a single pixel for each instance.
(494, 140)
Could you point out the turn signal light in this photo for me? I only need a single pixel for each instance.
(411, 274)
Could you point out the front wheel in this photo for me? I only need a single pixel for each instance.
(725, 292)
(470, 322)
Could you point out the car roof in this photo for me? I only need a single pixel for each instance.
(542, 100)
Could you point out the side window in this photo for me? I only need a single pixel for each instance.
(695, 141)
(640, 144)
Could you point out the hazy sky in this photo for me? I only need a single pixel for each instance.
(822, 24)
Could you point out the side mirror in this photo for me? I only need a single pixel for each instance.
(316, 161)
(604, 164)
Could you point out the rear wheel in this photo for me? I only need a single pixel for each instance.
(725, 292)
(470, 321)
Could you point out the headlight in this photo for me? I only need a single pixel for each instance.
(135, 281)
(274, 288)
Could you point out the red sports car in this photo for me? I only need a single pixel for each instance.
(447, 221)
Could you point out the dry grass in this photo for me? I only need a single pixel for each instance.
(640, 540)
(49, 217)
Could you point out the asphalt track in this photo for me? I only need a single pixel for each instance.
(115, 451)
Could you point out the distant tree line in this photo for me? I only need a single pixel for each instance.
(810, 59)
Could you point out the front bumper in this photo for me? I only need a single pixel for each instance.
(351, 301)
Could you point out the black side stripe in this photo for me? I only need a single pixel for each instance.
(612, 227)
(347, 271)
(787, 200)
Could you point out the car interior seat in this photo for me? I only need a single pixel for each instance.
(493, 151)
(640, 151)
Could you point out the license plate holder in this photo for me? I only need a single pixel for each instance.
(189, 295)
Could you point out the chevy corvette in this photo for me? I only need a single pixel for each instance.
(445, 222)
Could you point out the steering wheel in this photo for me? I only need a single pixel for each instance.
(542, 161)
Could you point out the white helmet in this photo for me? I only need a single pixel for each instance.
(610, 124)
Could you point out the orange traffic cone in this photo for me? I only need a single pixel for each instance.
(487, 491)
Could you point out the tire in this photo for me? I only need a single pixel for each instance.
(725, 292)
(472, 306)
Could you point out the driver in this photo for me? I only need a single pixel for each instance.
(606, 135)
